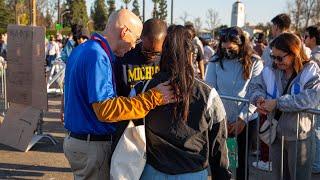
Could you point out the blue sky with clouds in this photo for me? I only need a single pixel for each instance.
(256, 10)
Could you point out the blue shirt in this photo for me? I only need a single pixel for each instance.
(88, 79)
(66, 51)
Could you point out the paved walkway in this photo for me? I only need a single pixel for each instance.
(46, 161)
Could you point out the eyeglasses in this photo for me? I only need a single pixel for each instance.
(306, 36)
(137, 38)
(230, 34)
(151, 53)
(278, 58)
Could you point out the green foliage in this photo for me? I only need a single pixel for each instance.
(53, 32)
(3, 30)
(126, 2)
(136, 8)
(155, 12)
(99, 15)
(163, 12)
(112, 6)
(6, 16)
(79, 12)
(66, 18)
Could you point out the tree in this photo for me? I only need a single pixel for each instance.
(212, 19)
(5, 15)
(264, 27)
(78, 11)
(99, 15)
(308, 7)
(136, 8)
(295, 11)
(46, 11)
(316, 14)
(304, 12)
(48, 20)
(184, 17)
(112, 6)
(66, 18)
(20, 9)
(155, 12)
(197, 24)
(163, 12)
(126, 2)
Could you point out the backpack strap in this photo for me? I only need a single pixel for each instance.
(143, 90)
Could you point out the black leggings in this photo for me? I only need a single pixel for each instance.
(241, 140)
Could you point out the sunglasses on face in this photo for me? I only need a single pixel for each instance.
(278, 58)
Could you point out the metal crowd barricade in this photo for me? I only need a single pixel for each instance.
(259, 174)
(56, 75)
(246, 101)
(3, 95)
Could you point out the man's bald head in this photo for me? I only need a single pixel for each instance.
(122, 31)
(122, 18)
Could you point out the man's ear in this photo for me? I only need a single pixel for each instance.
(277, 28)
(123, 32)
(313, 39)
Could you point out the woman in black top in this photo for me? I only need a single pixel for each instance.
(185, 137)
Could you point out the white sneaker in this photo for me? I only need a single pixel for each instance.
(263, 165)
(255, 153)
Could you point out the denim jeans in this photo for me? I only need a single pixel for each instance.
(316, 162)
(150, 173)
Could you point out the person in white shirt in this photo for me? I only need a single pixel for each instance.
(53, 51)
(208, 51)
(280, 24)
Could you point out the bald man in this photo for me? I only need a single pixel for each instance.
(91, 102)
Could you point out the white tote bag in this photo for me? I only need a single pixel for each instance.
(129, 157)
(268, 131)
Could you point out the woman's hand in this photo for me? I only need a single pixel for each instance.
(237, 127)
(269, 105)
(260, 106)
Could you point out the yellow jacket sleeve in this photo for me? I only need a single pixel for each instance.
(124, 108)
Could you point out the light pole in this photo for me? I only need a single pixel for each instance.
(58, 11)
(143, 9)
(33, 12)
(62, 14)
(171, 11)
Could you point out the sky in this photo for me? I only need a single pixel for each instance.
(256, 10)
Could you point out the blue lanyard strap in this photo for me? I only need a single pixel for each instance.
(106, 49)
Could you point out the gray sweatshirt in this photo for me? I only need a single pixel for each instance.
(292, 104)
(315, 55)
(230, 82)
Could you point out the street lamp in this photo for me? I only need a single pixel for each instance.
(64, 13)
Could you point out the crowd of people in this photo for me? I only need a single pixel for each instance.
(171, 80)
(187, 124)
(60, 46)
(3, 45)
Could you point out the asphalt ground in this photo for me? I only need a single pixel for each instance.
(47, 161)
